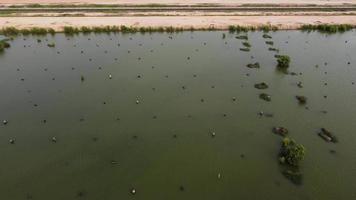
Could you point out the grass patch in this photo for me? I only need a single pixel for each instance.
(246, 44)
(266, 36)
(242, 37)
(245, 49)
(283, 61)
(12, 31)
(4, 45)
(328, 28)
(269, 42)
(51, 45)
(273, 49)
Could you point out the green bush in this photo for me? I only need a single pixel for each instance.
(327, 28)
(3, 45)
(246, 44)
(51, 45)
(283, 61)
(291, 153)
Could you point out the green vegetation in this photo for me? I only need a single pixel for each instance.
(266, 36)
(244, 49)
(265, 97)
(4, 45)
(253, 65)
(68, 30)
(283, 61)
(33, 31)
(242, 37)
(291, 153)
(328, 28)
(264, 28)
(261, 86)
(130, 29)
(273, 49)
(290, 156)
(82, 78)
(51, 45)
(301, 99)
(246, 44)
(269, 42)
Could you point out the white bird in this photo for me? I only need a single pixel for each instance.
(213, 134)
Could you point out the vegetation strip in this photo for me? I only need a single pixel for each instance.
(324, 28)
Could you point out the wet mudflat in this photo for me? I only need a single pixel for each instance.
(175, 116)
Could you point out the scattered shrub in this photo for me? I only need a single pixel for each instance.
(245, 49)
(283, 61)
(291, 153)
(327, 28)
(242, 37)
(269, 42)
(51, 45)
(246, 44)
(266, 36)
(253, 65)
(3, 45)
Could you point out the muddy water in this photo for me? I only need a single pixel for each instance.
(149, 127)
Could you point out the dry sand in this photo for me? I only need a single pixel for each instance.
(286, 22)
(186, 20)
(177, 1)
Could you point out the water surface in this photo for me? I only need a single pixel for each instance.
(162, 146)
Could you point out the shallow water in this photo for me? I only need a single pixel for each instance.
(162, 147)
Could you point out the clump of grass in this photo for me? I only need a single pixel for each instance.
(265, 96)
(266, 36)
(245, 49)
(253, 65)
(328, 28)
(85, 29)
(82, 79)
(51, 45)
(246, 44)
(239, 28)
(68, 30)
(33, 31)
(269, 42)
(283, 61)
(38, 31)
(273, 49)
(301, 99)
(242, 37)
(267, 28)
(4, 45)
(10, 31)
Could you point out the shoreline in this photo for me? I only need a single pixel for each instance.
(182, 22)
(182, 14)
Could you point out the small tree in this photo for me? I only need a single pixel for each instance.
(283, 61)
(291, 153)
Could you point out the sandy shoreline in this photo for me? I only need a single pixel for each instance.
(185, 2)
(283, 18)
(219, 22)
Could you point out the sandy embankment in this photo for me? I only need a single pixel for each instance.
(221, 22)
(186, 2)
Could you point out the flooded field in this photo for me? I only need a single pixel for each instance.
(176, 116)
